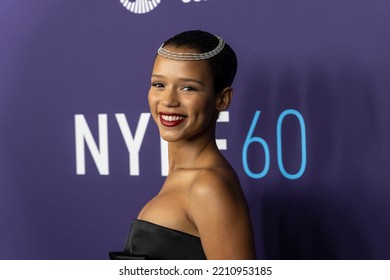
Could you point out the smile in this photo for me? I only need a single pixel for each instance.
(171, 120)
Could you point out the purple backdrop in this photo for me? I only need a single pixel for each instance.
(314, 164)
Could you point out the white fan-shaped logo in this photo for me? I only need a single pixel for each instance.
(140, 6)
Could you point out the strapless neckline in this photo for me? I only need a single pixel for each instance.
(148, 240)
(165, 228)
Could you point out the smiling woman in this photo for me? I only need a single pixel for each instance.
(200, 211)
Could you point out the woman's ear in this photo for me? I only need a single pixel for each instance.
(224, 98)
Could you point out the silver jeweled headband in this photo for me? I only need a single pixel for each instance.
(192, 56)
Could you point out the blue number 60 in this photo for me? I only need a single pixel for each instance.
(250, 139)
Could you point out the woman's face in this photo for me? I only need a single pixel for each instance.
(181, 98)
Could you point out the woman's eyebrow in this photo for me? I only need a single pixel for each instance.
(190, 80)
(158, 76)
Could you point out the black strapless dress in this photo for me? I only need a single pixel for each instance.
(151, 241)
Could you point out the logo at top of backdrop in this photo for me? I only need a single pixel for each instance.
(145, 6)
(140, 6)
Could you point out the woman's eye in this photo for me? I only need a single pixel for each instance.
(157, 85)
(188, 88)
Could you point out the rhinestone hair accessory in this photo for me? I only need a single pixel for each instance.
(192, 56)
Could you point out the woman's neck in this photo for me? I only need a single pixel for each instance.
(191, 154)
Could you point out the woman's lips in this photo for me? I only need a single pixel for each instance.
(171, 120)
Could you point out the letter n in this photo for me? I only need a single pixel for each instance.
(83, 137)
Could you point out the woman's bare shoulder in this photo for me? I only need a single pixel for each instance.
(216, 191)
(219, 182)
(218, 209)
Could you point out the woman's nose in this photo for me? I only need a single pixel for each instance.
(169, 98)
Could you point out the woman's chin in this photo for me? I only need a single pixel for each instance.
(169, 137)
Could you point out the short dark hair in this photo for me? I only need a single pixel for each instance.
(223, 66)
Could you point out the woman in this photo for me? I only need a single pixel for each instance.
(200, 212)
